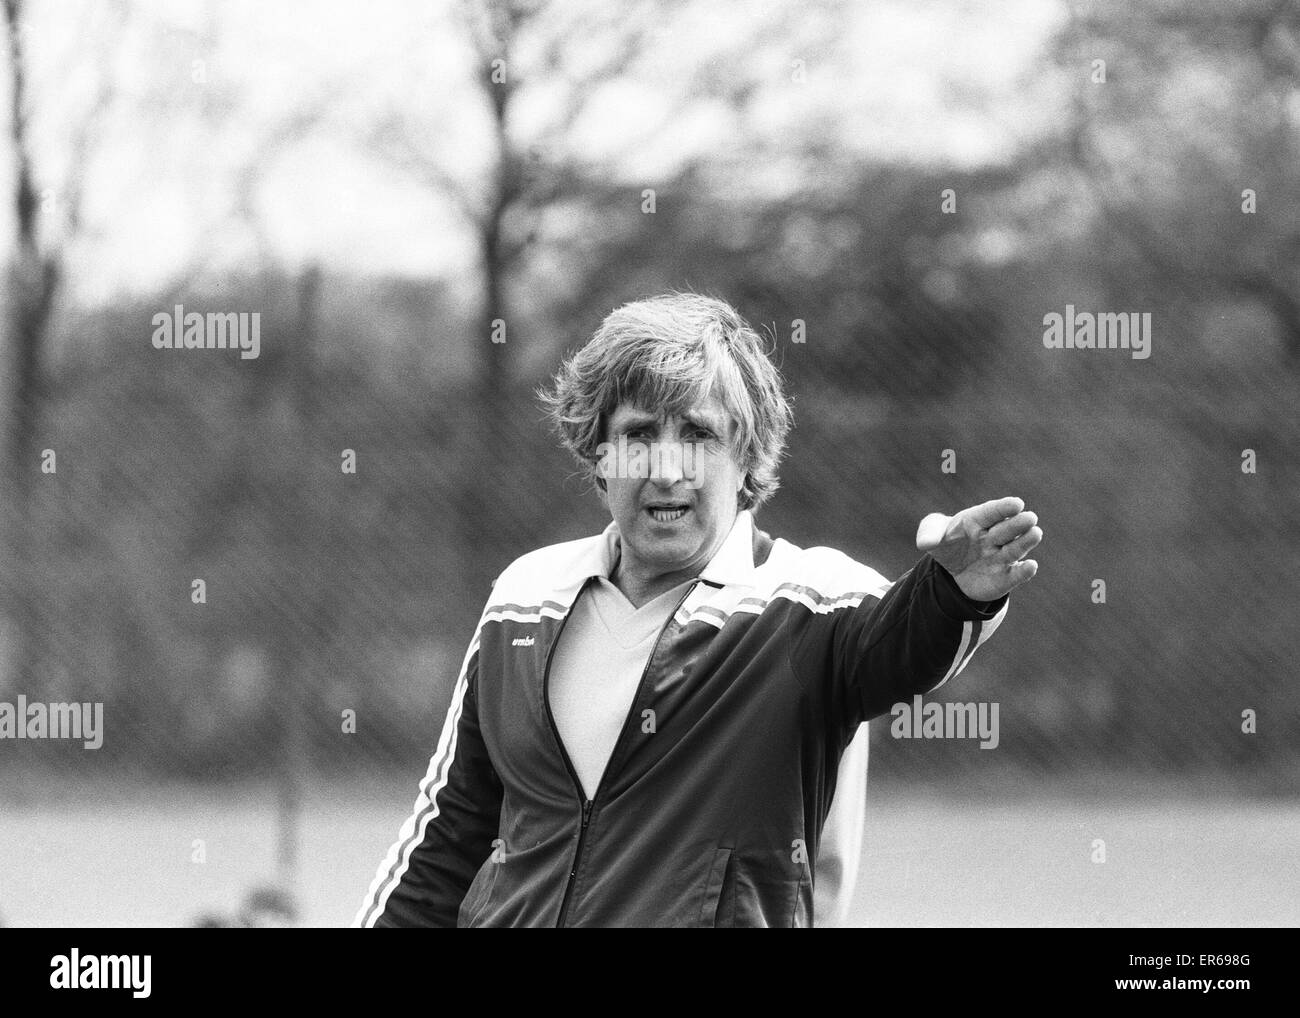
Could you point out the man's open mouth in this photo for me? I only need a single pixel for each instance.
(667, 512)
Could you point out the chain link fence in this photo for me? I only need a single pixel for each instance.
(202, 559)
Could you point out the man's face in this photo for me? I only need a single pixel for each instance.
(680, 505)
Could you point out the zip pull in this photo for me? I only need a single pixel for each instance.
(586, 813)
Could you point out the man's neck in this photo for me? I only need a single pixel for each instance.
(643, 590)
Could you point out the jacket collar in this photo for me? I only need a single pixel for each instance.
(732, 563)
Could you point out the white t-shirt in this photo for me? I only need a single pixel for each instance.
(596, 670)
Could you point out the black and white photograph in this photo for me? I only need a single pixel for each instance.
(672, 464)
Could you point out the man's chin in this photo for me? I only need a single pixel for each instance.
(667, 552)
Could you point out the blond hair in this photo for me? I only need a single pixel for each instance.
(665, 355)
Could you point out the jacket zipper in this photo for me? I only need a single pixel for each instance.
(577, 857)
(588, 805)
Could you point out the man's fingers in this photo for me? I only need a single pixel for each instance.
(1022, 545)
(990, 513)
(1022, 571)
(1008, 530)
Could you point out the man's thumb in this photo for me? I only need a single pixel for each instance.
(932, 531)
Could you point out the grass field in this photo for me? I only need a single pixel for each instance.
(113, 857)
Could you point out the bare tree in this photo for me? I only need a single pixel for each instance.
(37, 269)
(531, 166)
(35, 276)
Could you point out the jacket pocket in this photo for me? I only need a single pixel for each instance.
(802, 915)
(769, 888)
(713, 910)
(479, 893)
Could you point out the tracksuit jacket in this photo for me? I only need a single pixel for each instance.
(710, 808)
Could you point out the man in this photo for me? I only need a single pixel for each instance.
(648, 723)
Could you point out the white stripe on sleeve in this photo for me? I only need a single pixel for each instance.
(395, 863)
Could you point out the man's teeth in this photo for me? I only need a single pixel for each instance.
(668, 515)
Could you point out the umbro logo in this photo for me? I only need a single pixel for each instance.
(522, 641)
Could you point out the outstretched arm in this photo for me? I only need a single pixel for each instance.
(923, 629)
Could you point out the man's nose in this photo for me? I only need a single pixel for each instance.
(666, 464)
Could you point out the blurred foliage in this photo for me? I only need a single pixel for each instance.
(330, 592)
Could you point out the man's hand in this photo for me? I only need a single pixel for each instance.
(982, 547)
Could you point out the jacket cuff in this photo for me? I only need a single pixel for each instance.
(953, 603)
